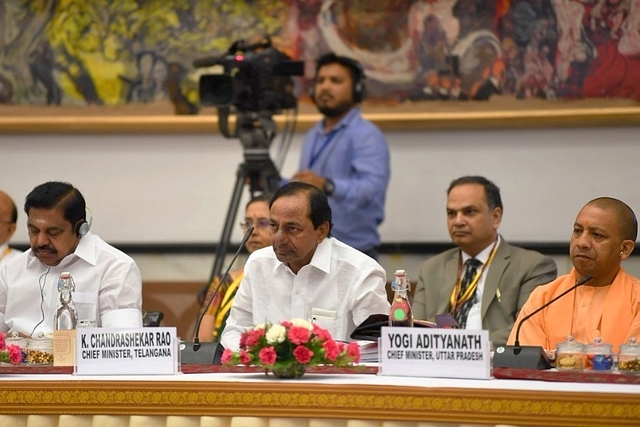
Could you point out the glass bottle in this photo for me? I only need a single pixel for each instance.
(66, 317)
(400, 313)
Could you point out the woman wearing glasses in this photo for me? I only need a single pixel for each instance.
(256, 214)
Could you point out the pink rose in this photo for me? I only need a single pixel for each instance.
(15, 354)
(254, 336)
(321, 333)
(227, 355)
(3, 343)
(354, 352)
(287, 324)
(299, 335)
(268, 356)
(331, 350)
(243, 339)
(245, 358)
(302, 354)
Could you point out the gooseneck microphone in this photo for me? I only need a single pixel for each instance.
(196, 339)
(516, 344)
(528, 357)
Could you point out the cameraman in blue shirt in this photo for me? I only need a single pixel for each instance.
(346, 155)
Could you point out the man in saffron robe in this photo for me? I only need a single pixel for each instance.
(608, 305)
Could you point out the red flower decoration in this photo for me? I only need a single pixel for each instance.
(321, 333)
(253, 337)
(299, 335)
(302, 354)
(354, 352)
(245, 358)
(243, 339)
(268, 355)
(15, 354)
(227, 355)
(295, 342)
(331, 350)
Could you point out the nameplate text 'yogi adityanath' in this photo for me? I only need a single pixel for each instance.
(444, 353)
(125, 351)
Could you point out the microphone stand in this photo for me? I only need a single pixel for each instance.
(528, 357)
(196, 339)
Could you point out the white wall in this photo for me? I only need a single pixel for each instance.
(176, 188)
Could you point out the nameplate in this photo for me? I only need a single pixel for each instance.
(125, 351)
(444, 353)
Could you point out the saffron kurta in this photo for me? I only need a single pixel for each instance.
(612, 313)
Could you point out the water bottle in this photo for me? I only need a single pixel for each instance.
(66, 316)
(400, 313)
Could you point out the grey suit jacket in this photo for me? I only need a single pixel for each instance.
(513, 274)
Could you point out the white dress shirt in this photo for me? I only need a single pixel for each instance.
(106, 280)
(338, 290)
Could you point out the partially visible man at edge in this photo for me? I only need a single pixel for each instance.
(306, 273)
(8, 219)
(505, 274)
(60, 241)
(608, 305)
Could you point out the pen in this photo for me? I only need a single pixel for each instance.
(498, 295)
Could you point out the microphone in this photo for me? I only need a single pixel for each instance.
(196, 340)
(528, 357)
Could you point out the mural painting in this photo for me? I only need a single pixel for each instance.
(137, 52)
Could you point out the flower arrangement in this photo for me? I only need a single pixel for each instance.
(9, 353)
(288, 348)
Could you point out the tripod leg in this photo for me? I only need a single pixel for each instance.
(232, 212)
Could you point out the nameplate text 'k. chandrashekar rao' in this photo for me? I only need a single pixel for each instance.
(114, 351)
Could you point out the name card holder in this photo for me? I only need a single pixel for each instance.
(437, 353)
(126, 351)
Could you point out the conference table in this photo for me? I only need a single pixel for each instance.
(208, 396)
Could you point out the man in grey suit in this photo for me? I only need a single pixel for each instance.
(484, 281)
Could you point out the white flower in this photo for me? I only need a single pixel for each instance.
(260, 326)
(302, 323)
(276, 334)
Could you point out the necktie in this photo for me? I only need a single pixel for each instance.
(471, 268)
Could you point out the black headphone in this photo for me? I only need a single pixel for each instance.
(356, 71)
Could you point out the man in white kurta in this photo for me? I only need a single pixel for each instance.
(306, 274)
(107, 281)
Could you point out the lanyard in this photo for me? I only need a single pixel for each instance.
(315, 154)
(5, 253)
(457, 299)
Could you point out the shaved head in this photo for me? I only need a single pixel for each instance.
(626, 218)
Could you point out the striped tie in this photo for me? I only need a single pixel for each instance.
(471, 268)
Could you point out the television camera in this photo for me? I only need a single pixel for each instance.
(255, 83)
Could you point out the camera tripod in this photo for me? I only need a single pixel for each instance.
(256, 132)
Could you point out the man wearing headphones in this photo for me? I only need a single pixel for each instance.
(106, 280)
(346, 155)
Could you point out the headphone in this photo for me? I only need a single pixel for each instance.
(83, 226)
(356, 73)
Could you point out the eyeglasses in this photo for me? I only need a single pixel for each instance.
(261, 223)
